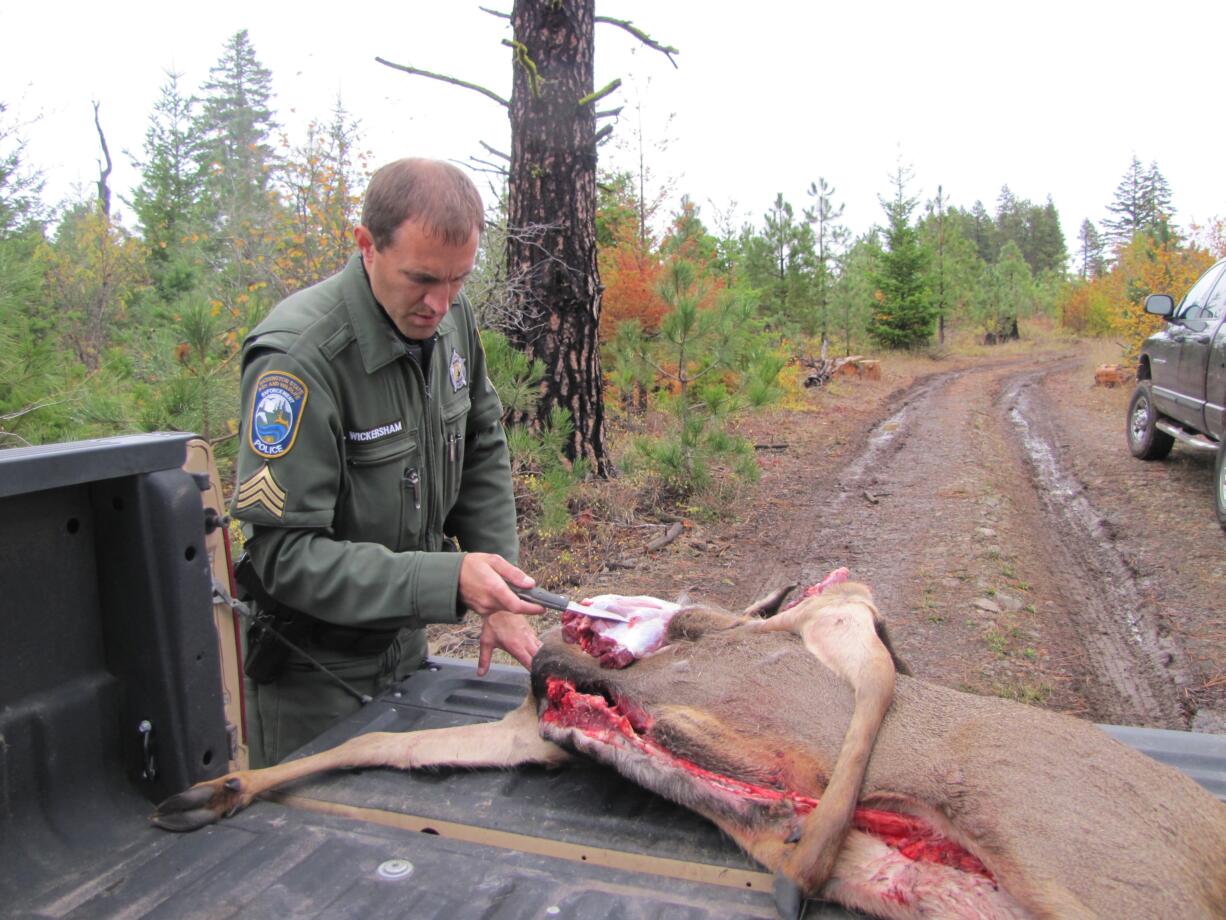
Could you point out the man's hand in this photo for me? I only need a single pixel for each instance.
(483, 586)
(509, 632)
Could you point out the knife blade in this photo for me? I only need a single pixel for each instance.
(559, 602)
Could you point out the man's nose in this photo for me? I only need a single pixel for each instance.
(439, 298)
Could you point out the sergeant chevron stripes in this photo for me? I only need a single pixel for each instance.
(261, 489)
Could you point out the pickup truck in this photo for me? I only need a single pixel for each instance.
(118, 687)
(1181, 379)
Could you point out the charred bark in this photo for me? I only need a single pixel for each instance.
(552, 214)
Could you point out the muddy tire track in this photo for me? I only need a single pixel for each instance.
(1136, 666)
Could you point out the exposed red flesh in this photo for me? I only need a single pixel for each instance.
(582, 631)
(592, 715)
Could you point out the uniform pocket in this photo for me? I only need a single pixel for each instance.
(455, 424)
(379, 505)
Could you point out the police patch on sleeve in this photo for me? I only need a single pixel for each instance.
(276, 413)
(457, 372)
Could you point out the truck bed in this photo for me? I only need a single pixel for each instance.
(574, 842)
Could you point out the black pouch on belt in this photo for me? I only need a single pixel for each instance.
(267, 654)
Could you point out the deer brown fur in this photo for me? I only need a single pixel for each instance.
(1067, 821)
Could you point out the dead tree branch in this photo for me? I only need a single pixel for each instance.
(479, 165)
(599, 94)
(31, 408)
(666, 538)
(104, 189)
(667, 50)
(498, 13)
(417, 72)
(493, 151)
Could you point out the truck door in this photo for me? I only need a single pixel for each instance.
(1214, 379)
(1191, 331)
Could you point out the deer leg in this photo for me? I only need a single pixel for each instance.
(511, 741)
(840, 630)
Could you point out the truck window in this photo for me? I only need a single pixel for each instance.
(1215, 305)
(1194, 304)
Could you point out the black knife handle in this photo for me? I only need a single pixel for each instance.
(542, 597)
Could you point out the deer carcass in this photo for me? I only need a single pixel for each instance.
(793, 734)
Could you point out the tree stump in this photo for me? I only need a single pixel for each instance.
(1112, 375)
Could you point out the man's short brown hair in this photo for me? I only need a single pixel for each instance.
(438, 194)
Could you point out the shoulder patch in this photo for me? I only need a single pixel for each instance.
(261, 489)
(456, 370)
(276, 412)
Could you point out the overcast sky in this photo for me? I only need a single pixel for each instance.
(1049, 98)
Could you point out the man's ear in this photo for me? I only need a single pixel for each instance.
(366, 242)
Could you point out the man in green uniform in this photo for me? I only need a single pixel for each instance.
(371, 437)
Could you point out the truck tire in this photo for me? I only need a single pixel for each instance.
(1219, 483)
(1144, 439)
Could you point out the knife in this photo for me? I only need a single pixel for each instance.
(557, 602)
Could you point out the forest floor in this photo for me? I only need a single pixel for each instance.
(1014, 545)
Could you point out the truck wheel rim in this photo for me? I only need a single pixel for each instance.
(1221, 488)
(1140, 420)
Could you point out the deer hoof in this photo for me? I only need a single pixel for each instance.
(200, 805)
(789, 899)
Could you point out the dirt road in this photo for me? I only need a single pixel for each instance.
(1014, 545)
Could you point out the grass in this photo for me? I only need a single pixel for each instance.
(1032, 694)
(997, 642)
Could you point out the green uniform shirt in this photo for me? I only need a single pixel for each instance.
(353, 466)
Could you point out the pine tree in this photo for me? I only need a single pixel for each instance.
(780, 232)
(234, 127)
(823, 216)
(20, 186)
(938, 229)
(1091, 263)
(1156, 200)
(855, 287)
(167, 199)
(1010, 294)
(982, 232)
(903, 314)
(1047, 251)
(1128, 206)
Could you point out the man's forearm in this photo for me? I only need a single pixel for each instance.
(356, 584)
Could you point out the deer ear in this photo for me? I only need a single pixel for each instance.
(769, 605)
(684, 599)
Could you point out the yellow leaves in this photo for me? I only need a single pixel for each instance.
(232, 425)
(215, 309)
(1144, 267)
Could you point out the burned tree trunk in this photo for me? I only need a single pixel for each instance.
(551, 252)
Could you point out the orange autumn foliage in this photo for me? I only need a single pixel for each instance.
(631, 276)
